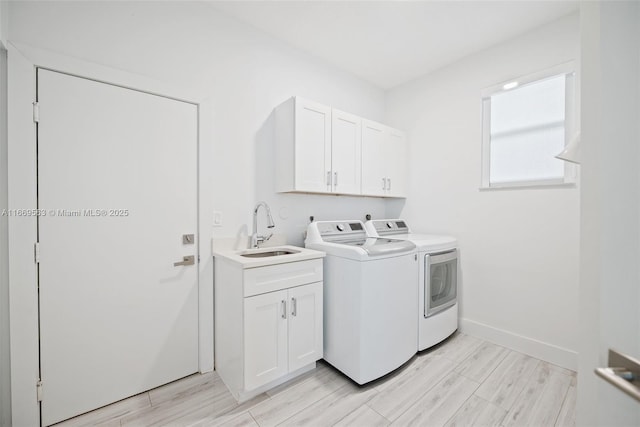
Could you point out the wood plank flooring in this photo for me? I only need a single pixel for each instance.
(462, 382)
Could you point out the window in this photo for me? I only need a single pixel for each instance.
(526, 123)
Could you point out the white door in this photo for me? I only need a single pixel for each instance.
(305, 325)
(312, 146)
(117, 178)
(346, 145)
(373, 158)
(265, 338)
(610, 206)
(396, 149)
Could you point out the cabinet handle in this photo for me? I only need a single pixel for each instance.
(328, 178)
(389, 181)
(294, 307)
(384, 184)
(335, 179)
(284, 309)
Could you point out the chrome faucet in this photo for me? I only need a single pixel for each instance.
(255, 239)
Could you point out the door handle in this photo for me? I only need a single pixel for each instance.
(623, 373)
(186, 260)
(329, 179)
(284, 309)
(335, 179)
(294, 307)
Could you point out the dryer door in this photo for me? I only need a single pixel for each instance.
(441, 281)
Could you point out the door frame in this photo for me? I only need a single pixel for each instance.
(23, 61)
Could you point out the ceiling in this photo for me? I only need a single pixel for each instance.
(388, 43)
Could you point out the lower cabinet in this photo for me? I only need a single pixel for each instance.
(283, 333)
(265, 339)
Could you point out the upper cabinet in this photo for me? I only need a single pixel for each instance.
(324, 150)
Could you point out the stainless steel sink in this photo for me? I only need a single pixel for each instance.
(268, 253)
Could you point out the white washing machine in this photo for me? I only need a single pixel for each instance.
(438, 279)
(370, 299)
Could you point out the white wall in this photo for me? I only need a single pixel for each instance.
(518, 248)
(242, 72)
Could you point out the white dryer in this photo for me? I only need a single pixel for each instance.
(438, 278)
(370, 299)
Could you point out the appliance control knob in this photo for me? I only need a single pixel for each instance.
(340, 227)
(389, 225)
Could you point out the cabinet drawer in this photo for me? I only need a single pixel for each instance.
(280, 276)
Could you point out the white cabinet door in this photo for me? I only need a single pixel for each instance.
(305, 325)
(396, 148)
(384, 160)
(312, 146)
(373, 158)
(265, 338)
(345, 152)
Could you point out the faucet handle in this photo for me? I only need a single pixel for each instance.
(260, 239)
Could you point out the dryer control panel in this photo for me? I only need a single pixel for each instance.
(390, 226)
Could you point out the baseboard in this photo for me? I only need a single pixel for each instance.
(540, 350)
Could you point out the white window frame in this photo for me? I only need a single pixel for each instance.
(571, 114)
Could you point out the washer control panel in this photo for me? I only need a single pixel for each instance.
(329, 228)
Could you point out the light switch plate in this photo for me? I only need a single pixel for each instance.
(217, 219)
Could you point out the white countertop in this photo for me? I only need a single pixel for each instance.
(233, 255)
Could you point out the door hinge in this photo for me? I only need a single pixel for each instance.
(36, 112)
(36, 252)
(39, 390)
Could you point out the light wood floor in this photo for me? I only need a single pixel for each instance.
(462, 382)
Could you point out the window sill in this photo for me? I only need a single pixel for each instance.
(534, 185)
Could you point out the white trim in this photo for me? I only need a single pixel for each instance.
(23, 308)
(78, 67)
(5, 357)
(530, 185)
(22, 62)
(568, 67)
(571, 116)
(486, 143)
(542, 183)
(540, 350)
(570, 171)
